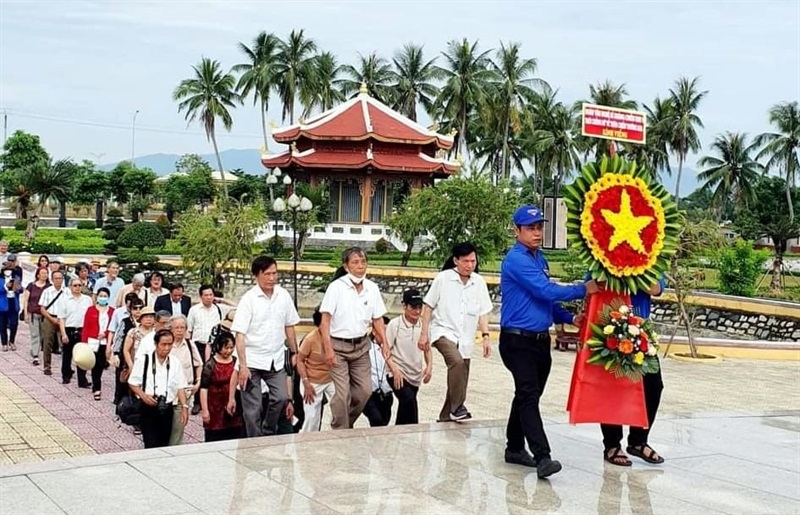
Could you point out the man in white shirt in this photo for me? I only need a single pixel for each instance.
(264, 320)
(352, 303)
(49, 310)
(111, 281)
(72, 307)
(456, 304)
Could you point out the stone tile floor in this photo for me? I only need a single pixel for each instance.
(37, 411)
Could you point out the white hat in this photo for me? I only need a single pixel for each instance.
(83, 356)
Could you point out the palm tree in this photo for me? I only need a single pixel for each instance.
(515, 85)
(653, 155)
(295, 74)
(683, 123)
(209, 95)
(414, 78)
(374, 72)
(555, 140)
(258, 74)
(322, 94)
(781, 148)
(466, 76)
(733, 173)
(45, 182)
(605, 94)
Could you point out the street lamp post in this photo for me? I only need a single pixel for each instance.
(303, 205)
(278, 207)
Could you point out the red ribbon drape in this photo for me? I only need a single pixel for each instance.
(595, 395)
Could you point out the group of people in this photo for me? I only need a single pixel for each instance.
(247, 374)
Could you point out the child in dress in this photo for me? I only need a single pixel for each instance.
(218, 402)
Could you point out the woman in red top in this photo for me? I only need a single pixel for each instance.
(95, 333)
(218, 392)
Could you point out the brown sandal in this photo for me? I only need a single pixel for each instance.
(616, 457)
(646, 453)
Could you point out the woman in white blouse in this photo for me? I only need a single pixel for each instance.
(158, 380)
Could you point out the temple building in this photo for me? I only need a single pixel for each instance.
(365, 152)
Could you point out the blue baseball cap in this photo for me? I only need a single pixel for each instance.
(528, 215)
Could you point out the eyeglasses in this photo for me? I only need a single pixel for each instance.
(76, 285)
(136, 309)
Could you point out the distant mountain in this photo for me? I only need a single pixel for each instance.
(689, 181)
(248, 160)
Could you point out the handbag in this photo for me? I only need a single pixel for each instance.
(129, 408)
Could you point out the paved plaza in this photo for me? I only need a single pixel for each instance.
(730, 431)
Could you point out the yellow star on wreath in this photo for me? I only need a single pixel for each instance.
(627, 227)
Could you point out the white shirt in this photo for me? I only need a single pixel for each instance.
(379, 369)
(352, 312)
(148, 343)
(72, 309)
(113, 287)
(166, 380)
(201, 320)
(48, 295)
(263, 321)
(456, 308)
(177, 309)
(152, 295)
(402, 338)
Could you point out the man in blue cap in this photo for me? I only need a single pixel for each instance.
(527, 311)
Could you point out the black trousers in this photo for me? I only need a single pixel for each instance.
(156, 426)
(120, 388)
(407, 409)
(529, 361)
(218, 435)
(73, 336)
(612, 435)
(99, 367)
(378, 409)
(9, 322)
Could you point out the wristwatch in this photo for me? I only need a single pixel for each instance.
(484, 335)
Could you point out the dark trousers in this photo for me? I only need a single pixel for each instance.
(407, 409)
(612, 435)
(9, 322)
(378, 409)
(99, 366)
(120, 388)
(528, 359)
(201, 348)
(218, 435)
(74, 336)
(156, 426)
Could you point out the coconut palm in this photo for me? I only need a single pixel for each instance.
(515, 86)
(44, 182)
(322, 94)
(780, 148)
(415, 81)
(374, 72)
(555, 140)
(732, 173)
(683, 122)
(467, 76)
(207, 96)
(258, 74)
(296, 57)
(653, 155)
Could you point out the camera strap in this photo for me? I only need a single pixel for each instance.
(155, 391)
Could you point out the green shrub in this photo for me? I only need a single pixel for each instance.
(141, 235)
(740, 267)
(36, 247)
(382, 246)
(273, 244)
(21, 224)
(574, 268)
(113, 224)
(162, 222)
(86, 225)
(70, 236)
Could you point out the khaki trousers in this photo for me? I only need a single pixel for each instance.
(48, 335)
(351, 380)
(457, 377)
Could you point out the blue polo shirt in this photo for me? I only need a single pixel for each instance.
(529, 297)
(641, 300)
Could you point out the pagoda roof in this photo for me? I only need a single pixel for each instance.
(325, 158)
(359, 119)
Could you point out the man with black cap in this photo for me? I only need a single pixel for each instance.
(528, 310)
(404, 359)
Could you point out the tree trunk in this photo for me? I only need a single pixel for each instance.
(678, 179)
(264, 124)
(789, 175)
(504, 165)
(462, 137)
(62, 214)
(221, 170)
(33, 224)
(407, 254)
(777, 265)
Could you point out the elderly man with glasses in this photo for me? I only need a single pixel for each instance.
(72, 309)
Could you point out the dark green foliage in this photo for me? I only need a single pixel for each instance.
(113, 225)
(87, 225)
(141, 235)
(740, 267)
(20, 225)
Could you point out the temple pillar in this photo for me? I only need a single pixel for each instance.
(367, 190)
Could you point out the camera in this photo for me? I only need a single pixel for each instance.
(161, 404)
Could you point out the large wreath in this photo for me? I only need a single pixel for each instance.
(623, 225)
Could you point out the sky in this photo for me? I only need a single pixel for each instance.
(76, 72)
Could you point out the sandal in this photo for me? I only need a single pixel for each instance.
(97, 396)
(616, 457)
(12, 346)
(646, 453)
(5, 348)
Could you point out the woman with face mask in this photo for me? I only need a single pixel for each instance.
(95, 333)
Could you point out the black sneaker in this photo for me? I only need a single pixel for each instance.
(547, 467)
(460, 414)
(520, 458)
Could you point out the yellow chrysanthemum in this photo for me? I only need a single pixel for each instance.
(638, 358)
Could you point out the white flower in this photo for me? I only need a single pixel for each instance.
(609, 329)
(633, 330)
(652, 350)
(623, 310)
